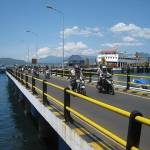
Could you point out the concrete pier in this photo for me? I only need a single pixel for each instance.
(52, 124)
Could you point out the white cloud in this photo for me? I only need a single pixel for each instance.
(73, 48)
(131, 29)
(118, 44)
(43, 52)
(69, 46)
(86, 32)
(78, 48)
(122, 27)
(46, 51)
(128, 39)
(89, 52)
(143, 33)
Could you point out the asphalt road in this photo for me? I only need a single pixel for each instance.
(111, 121)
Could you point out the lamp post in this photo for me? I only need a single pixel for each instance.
(63, 41)
(36, 46)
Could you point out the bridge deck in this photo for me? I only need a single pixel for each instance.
(115, 123)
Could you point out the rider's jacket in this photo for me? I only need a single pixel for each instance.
(76, 73)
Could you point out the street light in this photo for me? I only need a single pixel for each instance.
(36, 35)
(63, 41)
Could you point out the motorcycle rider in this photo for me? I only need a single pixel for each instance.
(47, 72)
(102, 74)
(75, 74)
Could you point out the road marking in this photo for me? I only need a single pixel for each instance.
(132, 94)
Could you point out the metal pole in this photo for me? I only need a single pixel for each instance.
(128, 78)
(44, 92)
(63, 39)
(28, 55)
(36, 44)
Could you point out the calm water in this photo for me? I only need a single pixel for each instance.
(17, 131)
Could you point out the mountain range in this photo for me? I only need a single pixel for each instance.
(47, 60)
(10, 61)
(58, 60)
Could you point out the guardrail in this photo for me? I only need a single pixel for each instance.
(91, 74)
(136, 119)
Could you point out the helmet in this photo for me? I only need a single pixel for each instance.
(76, 66)
(104, 69)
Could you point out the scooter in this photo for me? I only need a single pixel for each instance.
(47, 74)
(105, 85)
(78, 85)
(81, 86)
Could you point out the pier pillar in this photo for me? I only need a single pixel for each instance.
(15, 92)
(47, 133)
(27, 107)
(20, 97)
(63, 145)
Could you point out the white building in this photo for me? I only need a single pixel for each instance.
(117, 59)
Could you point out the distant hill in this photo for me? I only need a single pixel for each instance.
(144, 55)
(58, 60)
(91, 58)
(51, 60)
(8, 61)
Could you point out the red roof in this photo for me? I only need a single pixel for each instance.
(108, 51)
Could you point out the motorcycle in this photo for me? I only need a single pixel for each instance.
(47, 74)
(36, 74)
(81, 86)
(105, 84)
(78, 85)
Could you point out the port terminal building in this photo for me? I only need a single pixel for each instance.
(118, 59)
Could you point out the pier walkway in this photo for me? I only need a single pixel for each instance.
(108, 122)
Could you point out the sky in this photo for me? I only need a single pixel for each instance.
(89, 26)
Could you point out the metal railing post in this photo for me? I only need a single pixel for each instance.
(64, 73)
(134, 131)
(128, 78)
(18, 76)
(67, 103)
(52, 72)
(22, 78)
(56, 73)
(16, 73)
(26, 79)
(44, 91)
(90, 76)
(33, 84)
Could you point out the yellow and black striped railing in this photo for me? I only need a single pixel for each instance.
(136, 119)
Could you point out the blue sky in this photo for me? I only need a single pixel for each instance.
(90, 25)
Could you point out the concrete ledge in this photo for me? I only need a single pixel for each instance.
(72, 135)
